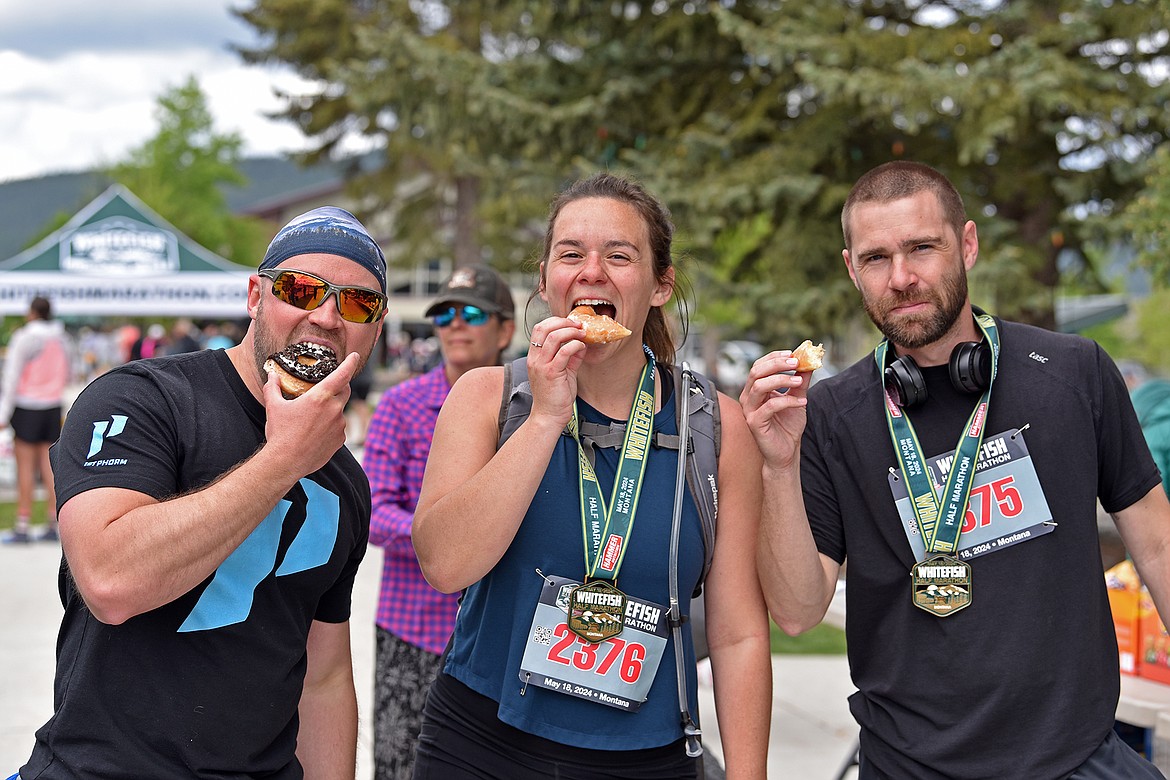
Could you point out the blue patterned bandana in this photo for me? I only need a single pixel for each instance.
(327, 230)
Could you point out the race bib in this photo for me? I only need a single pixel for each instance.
(616, 672)
(1007, 504)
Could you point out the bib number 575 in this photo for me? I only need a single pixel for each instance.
(985, 499)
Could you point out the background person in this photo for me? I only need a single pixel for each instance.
(212, 530)
(507, 524)
(127, 338)
(215, 336)
(184, 337)
(1151, 402)
(473, 315)
(153, 343)
(1008, 668)
(36, 372)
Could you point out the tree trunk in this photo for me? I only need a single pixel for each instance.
(709, 348)
(1036, 226)
(466, 249)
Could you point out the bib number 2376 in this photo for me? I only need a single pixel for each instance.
(616, 672)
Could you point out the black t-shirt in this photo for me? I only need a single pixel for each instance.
(1023, 683)
(208, 685)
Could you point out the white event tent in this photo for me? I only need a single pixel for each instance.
(117, 257)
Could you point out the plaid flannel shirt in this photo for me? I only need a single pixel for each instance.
(397, 444)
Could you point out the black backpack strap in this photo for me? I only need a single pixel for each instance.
(703, 458)
(516, 400)
(687, 401)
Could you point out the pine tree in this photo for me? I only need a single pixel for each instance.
(751, 118)
(180, 171)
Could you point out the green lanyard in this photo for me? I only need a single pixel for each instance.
(603, 561)
(941, 524)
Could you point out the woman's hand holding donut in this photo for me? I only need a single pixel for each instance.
(554, 355)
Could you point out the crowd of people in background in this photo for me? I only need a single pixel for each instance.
(104, 346)
(97, 347)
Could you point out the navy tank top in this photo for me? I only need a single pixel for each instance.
(496, 612)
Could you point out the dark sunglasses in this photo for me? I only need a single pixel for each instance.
(306, 291)
(472, 315)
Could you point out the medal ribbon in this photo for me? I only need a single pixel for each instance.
(941, 522)
(614, 521)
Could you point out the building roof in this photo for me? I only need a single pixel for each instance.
(29, 206)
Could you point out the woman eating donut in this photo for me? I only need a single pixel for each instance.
(562, 663)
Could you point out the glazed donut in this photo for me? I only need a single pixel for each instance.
(809, 357)
(300, 366)
(599, 329)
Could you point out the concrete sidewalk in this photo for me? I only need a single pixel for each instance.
(812, 730)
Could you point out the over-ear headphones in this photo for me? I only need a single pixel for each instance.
(969, 369)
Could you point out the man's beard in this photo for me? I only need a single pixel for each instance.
(264, 344)
(914, 332)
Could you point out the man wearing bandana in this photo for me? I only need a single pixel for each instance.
(212, 529)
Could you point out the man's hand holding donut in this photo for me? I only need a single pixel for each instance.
(774, 400)
(311, 427)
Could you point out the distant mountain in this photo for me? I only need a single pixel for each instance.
(28, 205)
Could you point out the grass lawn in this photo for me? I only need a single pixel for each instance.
(819, 640)
(8, 514)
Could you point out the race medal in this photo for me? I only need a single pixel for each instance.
(596, 611)
(617, 673)
(941, 585)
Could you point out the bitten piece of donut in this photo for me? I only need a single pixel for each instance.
(599, 329)
(809, 357)
(300, 366)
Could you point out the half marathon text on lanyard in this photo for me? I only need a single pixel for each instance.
(605, 544)
(941, 584)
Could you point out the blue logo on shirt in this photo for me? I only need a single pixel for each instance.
(228, 598)
(104, 429)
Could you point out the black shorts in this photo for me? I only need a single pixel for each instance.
(463, 739)
(37, 426)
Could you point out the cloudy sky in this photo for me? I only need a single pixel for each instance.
(81, 79)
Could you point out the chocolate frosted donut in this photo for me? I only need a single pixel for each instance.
(307, 362)
(300, 366)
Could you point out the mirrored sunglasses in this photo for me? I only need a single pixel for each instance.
(472, 315)
(306, 291)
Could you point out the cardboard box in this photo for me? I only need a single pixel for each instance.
(1124, 591)
(1124, 604)
(1153, 642)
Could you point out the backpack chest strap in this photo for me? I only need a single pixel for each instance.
(612, 435)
